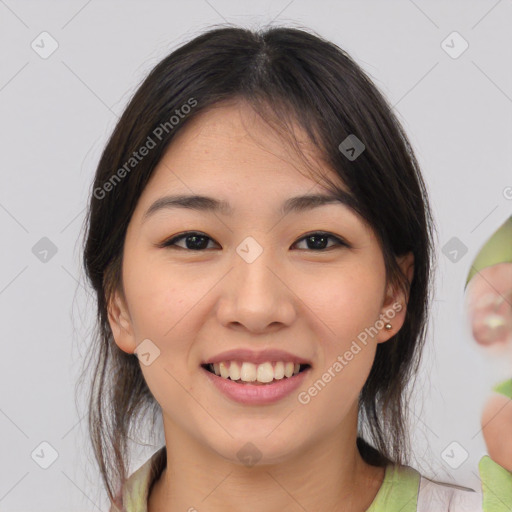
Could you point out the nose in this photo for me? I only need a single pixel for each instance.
(257, 296)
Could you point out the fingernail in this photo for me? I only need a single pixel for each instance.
(494, 321)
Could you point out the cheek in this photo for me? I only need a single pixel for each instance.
(160, 296)
(162, 310)
(166, 306)
(345, 304)
(344, 300)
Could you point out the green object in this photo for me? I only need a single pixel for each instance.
(398, 492)
(505, 388)
(496, 486)
(497, 249)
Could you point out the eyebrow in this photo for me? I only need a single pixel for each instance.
(210, 204)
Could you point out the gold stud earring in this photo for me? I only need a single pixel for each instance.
(388, 326)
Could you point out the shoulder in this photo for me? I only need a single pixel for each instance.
(406, 490)
(441, 497)
(493, 495)
(135, 491)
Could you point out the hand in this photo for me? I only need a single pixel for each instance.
(489, 305)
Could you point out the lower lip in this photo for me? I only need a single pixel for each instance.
(257, 394)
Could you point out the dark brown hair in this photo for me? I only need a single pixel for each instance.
(288, 75)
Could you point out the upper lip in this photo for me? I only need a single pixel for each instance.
(256, 357)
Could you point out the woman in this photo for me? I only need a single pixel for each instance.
(260, 243)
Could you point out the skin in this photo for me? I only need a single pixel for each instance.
(490, 293)
(309, 302)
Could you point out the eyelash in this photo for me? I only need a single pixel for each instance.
(172, 241)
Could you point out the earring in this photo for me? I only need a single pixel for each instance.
(388, 326)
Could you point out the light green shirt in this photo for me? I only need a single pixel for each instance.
(403, 490)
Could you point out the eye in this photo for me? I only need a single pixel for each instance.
(319, 239)
(196, 241)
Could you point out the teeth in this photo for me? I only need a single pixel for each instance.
(234, 372)
(224, 371)
(265, 372)
(249, 372)
(279, 370)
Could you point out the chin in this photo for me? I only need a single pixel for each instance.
(258, 451)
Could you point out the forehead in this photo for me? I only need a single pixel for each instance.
(236, 122)
(229, 145)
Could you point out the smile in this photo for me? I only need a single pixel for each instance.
(255, 386)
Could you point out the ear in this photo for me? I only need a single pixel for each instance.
(394, 306)
(120, 323)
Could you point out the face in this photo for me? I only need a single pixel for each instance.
(255, 279)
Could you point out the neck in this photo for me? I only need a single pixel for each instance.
(328, 475)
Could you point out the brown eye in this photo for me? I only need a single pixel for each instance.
(319, 240)
(193, 241)
(196, 241)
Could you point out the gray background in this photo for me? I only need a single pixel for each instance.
(56, 115)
